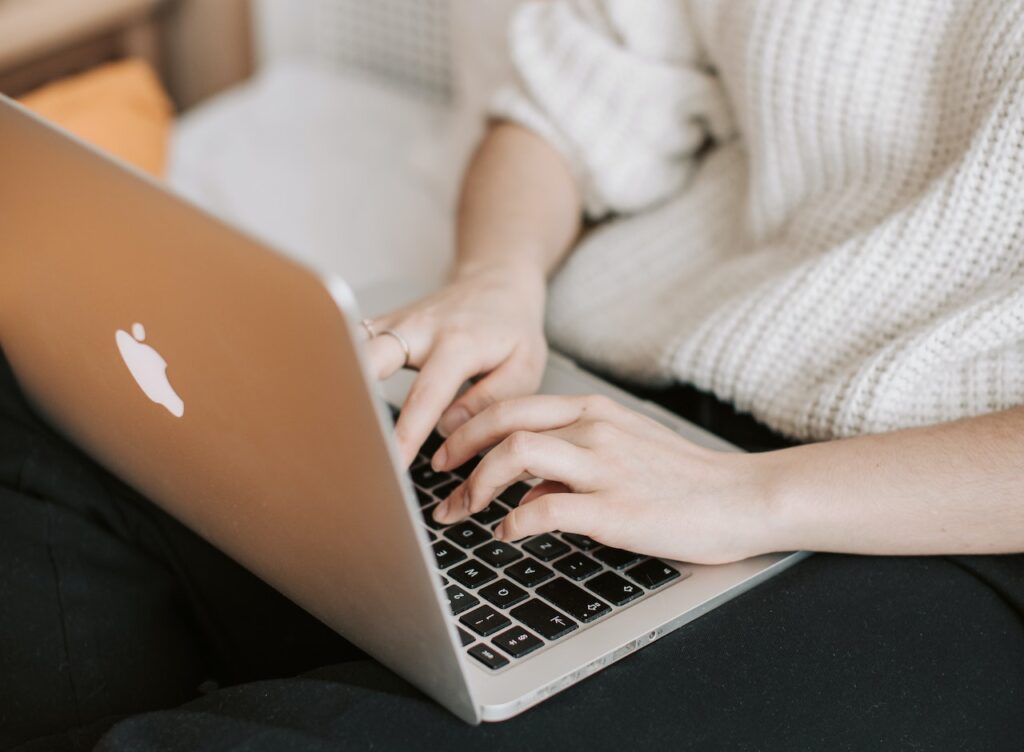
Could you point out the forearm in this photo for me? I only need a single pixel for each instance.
(952, 488)
(519, 206)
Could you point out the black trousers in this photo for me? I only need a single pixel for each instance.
(121, 630)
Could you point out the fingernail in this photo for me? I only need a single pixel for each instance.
(499, 531)
(452, 419)
(441, 511)
(440, 458)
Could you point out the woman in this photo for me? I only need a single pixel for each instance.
(814, 211)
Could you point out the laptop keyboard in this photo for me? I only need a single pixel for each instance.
(513, 599)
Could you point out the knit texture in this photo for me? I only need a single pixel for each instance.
(813, 208)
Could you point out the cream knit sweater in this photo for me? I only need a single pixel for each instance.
(815, 207)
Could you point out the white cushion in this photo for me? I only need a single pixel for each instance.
(333, 169)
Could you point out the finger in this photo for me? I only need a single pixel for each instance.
(543, 489)
(534, 413)
(568, 512)
(386, 353)
(456, 506)
(439, 380)
(517, 376)
(386, 356)
(536, 455)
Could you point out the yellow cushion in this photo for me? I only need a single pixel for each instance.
(119, 107)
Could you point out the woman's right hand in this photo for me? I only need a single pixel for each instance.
(487, 325)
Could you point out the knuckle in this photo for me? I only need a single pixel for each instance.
(600, 432)
(511, 525)
(519, 442)
(471, 489)
(556, 512)
(545, 513)
(482, 396)
(425, 317)
(500, 411)
(456, 339)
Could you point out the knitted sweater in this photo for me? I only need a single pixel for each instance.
(814, 208)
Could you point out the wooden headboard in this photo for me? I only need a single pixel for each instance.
(197, 46)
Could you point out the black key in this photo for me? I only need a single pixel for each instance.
(424, 476)
(616, 558)
(432, 444)
(465, 469)
(423, 497)
(428, 517)
(503, 594)
(581, 542)
(517, 642)
(465, 636)
(580, 604)
(444, 580)
(491, 513)
(652, 573)
(467, 535)
(445, 554)
(484, 620)
(529, 572)
(488, 656)
(459, 600)
(514, 494)
(431, 536)
(497, 554)
(613, 588)
(540, 617)
(472, 574)
(577, 566)
(443, 492)
(546, 547)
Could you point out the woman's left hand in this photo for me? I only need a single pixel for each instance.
(614, 475)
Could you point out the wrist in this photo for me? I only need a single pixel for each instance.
(771, 482)
(513, 269)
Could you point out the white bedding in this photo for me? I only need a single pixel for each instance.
(340, 171)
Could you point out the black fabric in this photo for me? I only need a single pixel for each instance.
(122, 630)
(718, 417)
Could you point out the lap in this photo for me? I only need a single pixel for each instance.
(837, 653)
(110, 608)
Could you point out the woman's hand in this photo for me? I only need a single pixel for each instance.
(612, 474)
(487, 322)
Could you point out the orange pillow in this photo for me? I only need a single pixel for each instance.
(119, 107)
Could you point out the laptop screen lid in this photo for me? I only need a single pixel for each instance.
(221, 380)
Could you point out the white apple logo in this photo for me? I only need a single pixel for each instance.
(149, 369)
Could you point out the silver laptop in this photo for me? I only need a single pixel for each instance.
(229, 384)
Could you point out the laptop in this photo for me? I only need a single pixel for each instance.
(230, 385)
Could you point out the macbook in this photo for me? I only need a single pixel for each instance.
(230, 385)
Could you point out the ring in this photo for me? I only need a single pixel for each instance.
(368, 326)
(401, 342)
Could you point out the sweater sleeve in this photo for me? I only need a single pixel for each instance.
(621, 89)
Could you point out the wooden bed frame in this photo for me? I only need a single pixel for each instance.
(198, 47)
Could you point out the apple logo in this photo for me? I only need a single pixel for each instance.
(149, 369)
